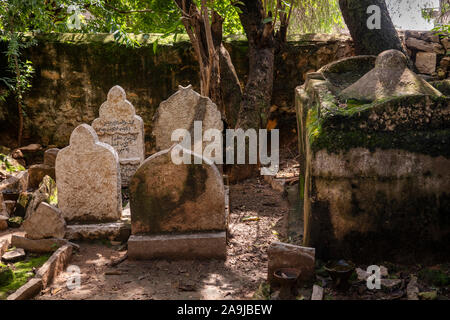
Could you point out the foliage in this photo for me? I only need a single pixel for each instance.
(310, 16)
(5, 162)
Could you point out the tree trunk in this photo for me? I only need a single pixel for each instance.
(218, 78)
(368, 41)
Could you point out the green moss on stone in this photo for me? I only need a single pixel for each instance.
(22, 271)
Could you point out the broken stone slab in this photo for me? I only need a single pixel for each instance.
(116, 231)
(14, 255)
(45, 193)
(37, 172)
(88, 179)
(27, 291)
(317, 293)
(284, 255)
(15, 183)
(363, 274)
(426, 62)
(50, 157)
(4, 244)
(424, 45)
(54, 265)
(177, 198)
(41, 245)
(120, 127)
(412, 289)
(208, 245)
(390, 78)
(390, 285)
(46, 222)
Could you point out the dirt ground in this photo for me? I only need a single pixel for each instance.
(258, 216)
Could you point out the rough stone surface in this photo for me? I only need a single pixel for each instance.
(424, 45)
(4, 244)
(50, 156)
(37, 172)
(426, 62)
(3, 210)
(16, 183)
(116, 231)
(284, 255)
(389, 78)
(27, 291)
(412, 289)
(119, 126)
(210, 245)
(45, 222)
(14, 255)
(165, 197)
(54, 265)
(88, 179)
(46, 192)
(180, 111)
(41, 245)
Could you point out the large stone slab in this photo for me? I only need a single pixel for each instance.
(119, 126)
(39, 246)
(46, 222)
(165, 197)
(180, 111)
(117, 231)
(54, 265)
(211, 245)
(27, 291)
(88, 179)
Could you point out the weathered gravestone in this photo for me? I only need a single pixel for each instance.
(88, 179)
(180, 111)
(177, 211)
(119, 126)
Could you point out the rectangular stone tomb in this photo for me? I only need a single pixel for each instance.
(210, 245)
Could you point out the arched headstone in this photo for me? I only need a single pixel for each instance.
(88, 179)
(180, 111)
(119, 126)
(177, 211)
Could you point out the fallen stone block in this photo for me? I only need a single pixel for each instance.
(426, 62)
(28, 290)
(209, 245)
(16, 183)
(284, 255)
(50, 157)
(14, 255)
(116, 231)
(41, 245)
(54, 265)
(37, 172)
(45, 222)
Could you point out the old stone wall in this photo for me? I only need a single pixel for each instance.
(74, 72)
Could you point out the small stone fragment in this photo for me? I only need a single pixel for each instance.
(14, 255)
